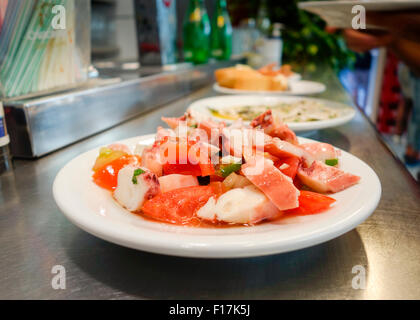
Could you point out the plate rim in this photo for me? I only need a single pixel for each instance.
(328, 10)
(342, 3)
(218, 88)
(108, 231)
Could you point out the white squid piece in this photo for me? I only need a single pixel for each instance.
(241, 205)
(133, 190)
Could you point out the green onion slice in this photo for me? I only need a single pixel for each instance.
(226, 170)
(136, 173)
(331, 162)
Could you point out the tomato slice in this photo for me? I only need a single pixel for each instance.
(311, 203)
(207, 169)
(292, 166)
(178, 206)
(107, 177)
(182, 165)
(216, 178)
(187, 169)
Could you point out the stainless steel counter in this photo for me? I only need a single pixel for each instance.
(35, 236)
(40, 125)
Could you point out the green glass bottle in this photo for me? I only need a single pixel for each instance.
(196, 33)
(221, 32)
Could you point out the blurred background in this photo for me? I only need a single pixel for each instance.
(306, 43)
(370, 78)
(136, 38)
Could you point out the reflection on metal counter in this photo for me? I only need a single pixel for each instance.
(4, 142)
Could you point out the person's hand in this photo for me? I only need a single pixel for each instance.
(394, 27)
(401, 24)
(400, 33)
(361, 41)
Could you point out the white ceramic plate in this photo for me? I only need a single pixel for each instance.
(95, 211)
(294, 77)
(199, 109)
(338, 13)
(298, 87)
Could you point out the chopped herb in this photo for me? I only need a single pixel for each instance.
(226, 170)
(136, 173)
(331, 162)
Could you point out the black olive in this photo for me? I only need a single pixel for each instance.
(204, 181)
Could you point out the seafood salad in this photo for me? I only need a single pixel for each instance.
(205, 173)
(298, 111)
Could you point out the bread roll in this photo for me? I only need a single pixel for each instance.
(243, 77)
(251, 80)
(279, 83)
(225, 77)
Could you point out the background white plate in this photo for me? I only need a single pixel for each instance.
(338, 13)
(94, 210)
(298, 87)
(294, 77)
(199, 109)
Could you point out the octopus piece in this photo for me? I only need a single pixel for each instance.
(274, 127)
(323, 178)
(321, 151)
(150, 159)
(278, 187)
(135, 186)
